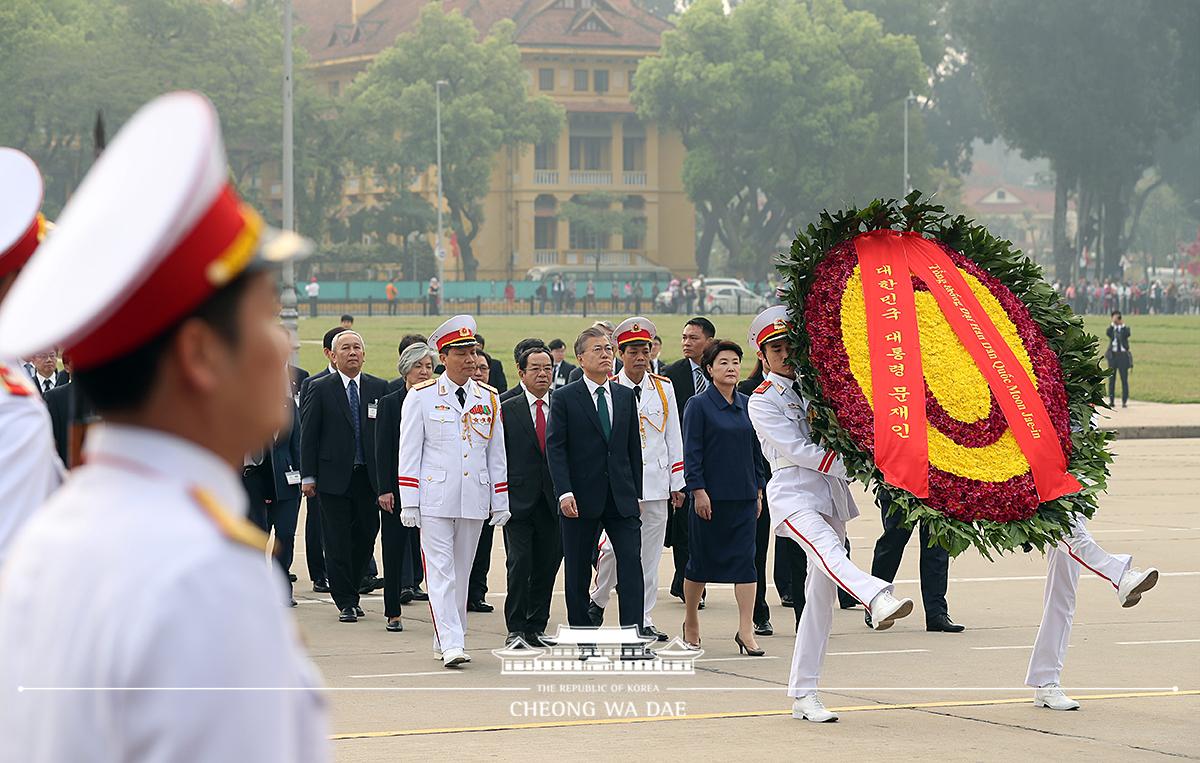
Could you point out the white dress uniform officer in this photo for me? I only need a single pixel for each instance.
(811, 504)
(31, 467)
(170, 314)
(662, 467)
(1076, 550)
(453, 476)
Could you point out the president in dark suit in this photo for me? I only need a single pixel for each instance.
(595, 454)
(337, 423)
(532, 538)
(271, 477)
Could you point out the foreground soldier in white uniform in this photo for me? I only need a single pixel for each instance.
(158, 580)
(811, 504)
(662, 468)
(453, 476)
(1077, 550)
(30, 468)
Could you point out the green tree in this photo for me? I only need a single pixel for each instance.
(598, 217)
(782, 108)
(485, 109)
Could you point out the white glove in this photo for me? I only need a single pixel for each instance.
(500, 518)
(837, 469)
(410, 517)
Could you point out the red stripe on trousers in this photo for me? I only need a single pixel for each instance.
(1071, 553)
(425, 570)
(836, 579)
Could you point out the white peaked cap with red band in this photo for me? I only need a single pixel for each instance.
(459, 331)
(769, 325)
(154, 230)
(21, 226)
(635, 329)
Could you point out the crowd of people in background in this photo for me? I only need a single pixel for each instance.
(1145, 297)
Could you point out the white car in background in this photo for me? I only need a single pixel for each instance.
(733, 299)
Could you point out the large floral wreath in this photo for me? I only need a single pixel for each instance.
(979, 486)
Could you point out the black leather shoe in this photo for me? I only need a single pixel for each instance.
(406, 595)
(480, 606)
(944, 624)
(293, 603)
(515, 639)
(292, 577)
(595, 613)
(786, 600)
(377, 584)
(650, 631)
(321, 586)
(394, 626)
(677, 591)
(368, 584)
(348, 616)
(764, 629)
(358, 612)
(537, 639)
(418, 594)
(867, 619)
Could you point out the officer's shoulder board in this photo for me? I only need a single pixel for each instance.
(488, 387)
(766, 385)
(237, 529)
(426, 383)
(11, 384)
(661, 378)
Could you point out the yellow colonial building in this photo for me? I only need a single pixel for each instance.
(581, 53)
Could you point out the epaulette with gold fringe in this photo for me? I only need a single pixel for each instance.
(236, 529)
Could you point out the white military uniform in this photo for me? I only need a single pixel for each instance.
(810, 503)
(32, 469)
(146, 550)
(453, 468)
(662, 474)
(1076, 550)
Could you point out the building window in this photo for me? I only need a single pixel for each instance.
(593, 25)
(581, 80)
(545, 79)
(545, 156)
(600, 80)
(591, 142)
(1000, 195)
(633, 154)
(634, 235)
(545, 233)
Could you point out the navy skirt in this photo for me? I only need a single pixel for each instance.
(721, 550)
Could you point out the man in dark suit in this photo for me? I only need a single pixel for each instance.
(532, 538)
(562, 366)
(271, 477)
(314, 541)
(495, 370)
(45, 371)
(525, 344)
(607, 327)
(595, 454)
(1119, 358)
(688, 380)
(337, 421)
(656, 364)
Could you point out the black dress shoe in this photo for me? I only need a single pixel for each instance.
(514, 639)
(293, 603)
(369, 584)
(292, 577)
(677, 592)
(537, 639)
(321, 586)
(406, 595)
(358, 612)
(377, 584)
(764, 629)
(480, 606)
(348, 616)
(394, 626)
(649, 631)
(595, 613)
(418, 594)
(785, 599)
(943, 624)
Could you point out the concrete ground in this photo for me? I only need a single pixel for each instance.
(901, 693)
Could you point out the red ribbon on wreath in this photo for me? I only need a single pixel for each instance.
(887, 259)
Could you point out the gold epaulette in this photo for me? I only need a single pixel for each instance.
(236, 529)
(660, 377)
(766, 385)
(488, 387)
(426, 383)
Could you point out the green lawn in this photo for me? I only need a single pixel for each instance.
(1166, 349)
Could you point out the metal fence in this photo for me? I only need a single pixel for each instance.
(533, 306)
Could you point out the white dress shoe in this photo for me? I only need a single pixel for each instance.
(1053, 697)
(454, 657)
(887, 609)
(1133, 584)
(809, 708)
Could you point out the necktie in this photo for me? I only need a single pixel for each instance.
(461, 394)
(355, 421)
(701, 382)
(637, 392)
(796, 389)
(45, 385)
(602, 412)
(539, 425)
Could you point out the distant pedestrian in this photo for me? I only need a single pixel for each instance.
(313, 290)
(434, 295)
(1119, 358)
(392, 292)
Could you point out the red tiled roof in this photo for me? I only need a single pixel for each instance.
(328, 30)
(1036, 200)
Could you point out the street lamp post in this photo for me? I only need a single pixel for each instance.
(440, 253)
(907, 182)
(288, 295)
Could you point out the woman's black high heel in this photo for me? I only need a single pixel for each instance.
(743, 649)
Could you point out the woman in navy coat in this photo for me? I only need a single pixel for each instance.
(725, 473)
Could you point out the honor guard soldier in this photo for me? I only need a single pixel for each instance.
(662, 467)
(453, 476)
(167, 304)
(31, 467)
(811, 504)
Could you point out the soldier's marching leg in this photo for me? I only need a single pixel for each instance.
(437, 551)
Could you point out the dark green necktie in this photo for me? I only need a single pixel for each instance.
(602, 412)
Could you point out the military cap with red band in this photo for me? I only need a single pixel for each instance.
(636, 329)
(459, 331)
(22, 227)
(769, 325)
(154, 230)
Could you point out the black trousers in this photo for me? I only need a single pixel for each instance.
(762, 540)
(314, 541)
(412, 572)
(1112, 384)
(795, 568)
(579, 538)
(394, 537)
(267, 513)
(477, 584)
(533, 551)
(935, 562)
(350, 522)
(783, 570)
(679, 542)
(312, 307)
(391, 311)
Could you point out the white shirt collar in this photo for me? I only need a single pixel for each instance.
(346, 379)
(624, 380)
(592, 386)
(166, 456)
(695, 366)
(41, 380)
(529, 398)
